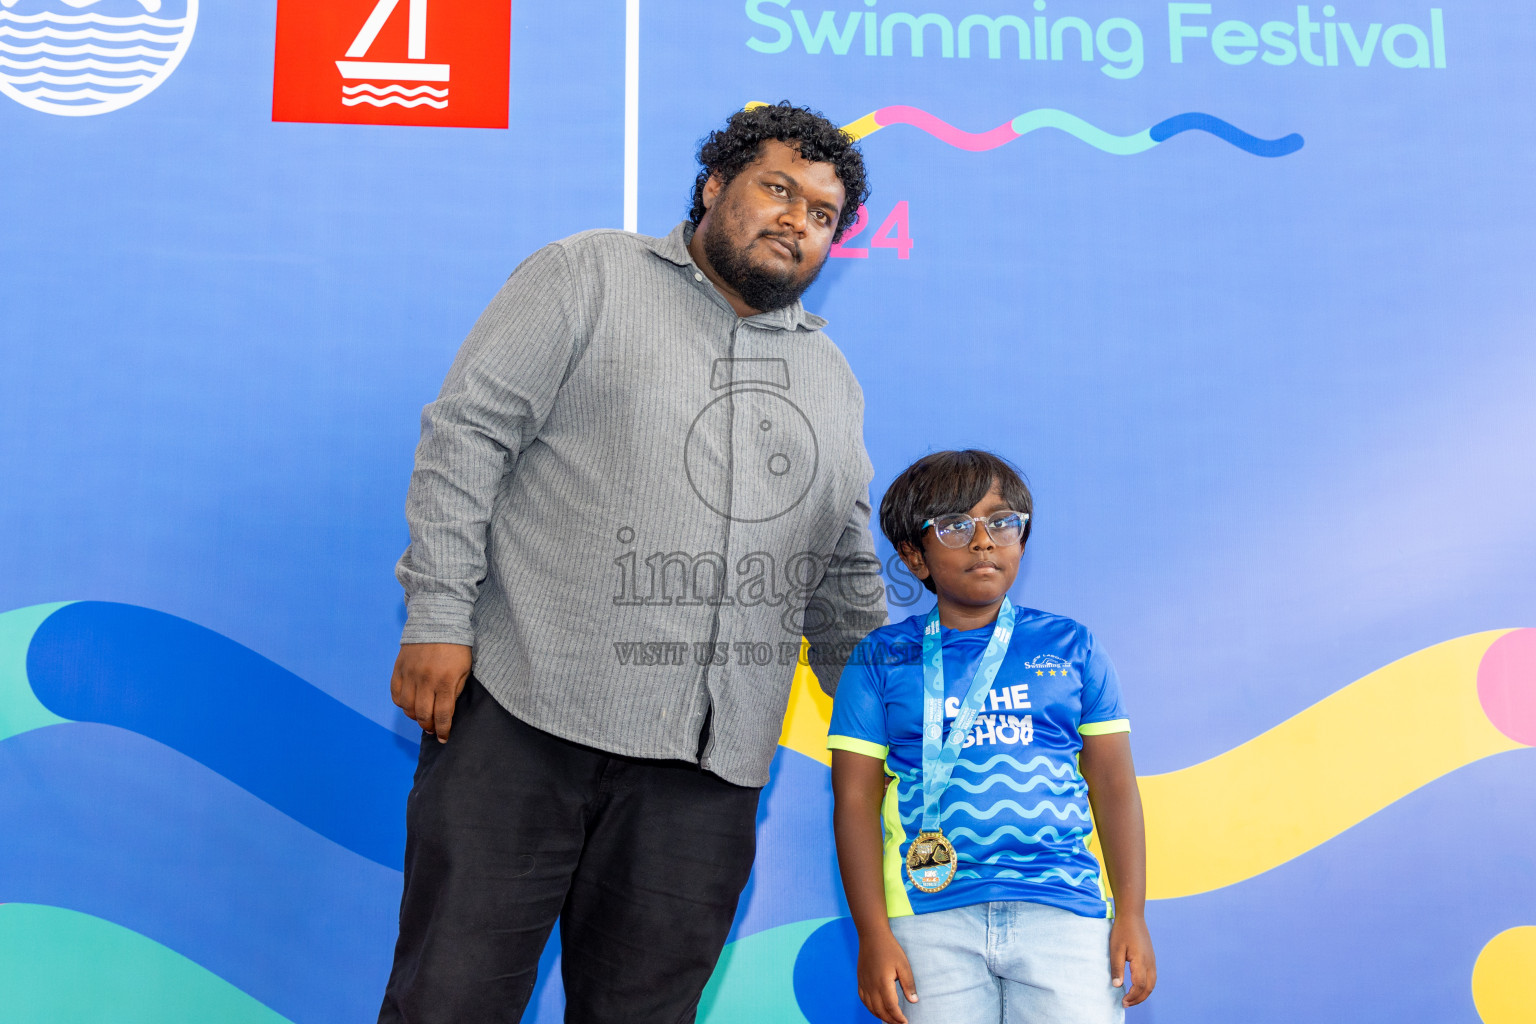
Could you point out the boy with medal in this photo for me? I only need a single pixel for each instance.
(976, 738)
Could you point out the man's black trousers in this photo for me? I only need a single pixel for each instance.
(510, 828)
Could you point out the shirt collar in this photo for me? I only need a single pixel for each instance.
(673, 247)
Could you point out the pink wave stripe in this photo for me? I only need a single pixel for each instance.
(1506, 685)
(975, 142)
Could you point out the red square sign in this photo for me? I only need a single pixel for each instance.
(432, 62)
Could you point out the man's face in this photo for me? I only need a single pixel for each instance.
(767, 233)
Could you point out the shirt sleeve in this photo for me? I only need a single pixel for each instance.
(494, 401)
(1103, 711)
(848, 602)
(858, 709)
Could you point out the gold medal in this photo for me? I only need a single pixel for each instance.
(930, 861)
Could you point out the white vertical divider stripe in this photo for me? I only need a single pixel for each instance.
(632, 115)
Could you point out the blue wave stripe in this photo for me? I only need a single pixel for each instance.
(1009, 873)
(979, 814)
(1049, 832)
(1061, 771)
(225, 706)
(1001, 855)
(1058, 788)
(114, 825)
(1197, 122)
(796, 804)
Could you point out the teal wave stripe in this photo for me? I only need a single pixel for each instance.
(20, 710)
(1098, 138)
(63, 967)
(754, 981)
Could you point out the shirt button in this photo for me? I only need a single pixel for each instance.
(698, 276)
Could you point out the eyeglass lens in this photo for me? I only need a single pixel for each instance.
(955, 531)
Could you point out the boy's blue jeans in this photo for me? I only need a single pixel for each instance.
(1009, 963)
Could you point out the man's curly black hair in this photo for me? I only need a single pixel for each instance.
(728, 151)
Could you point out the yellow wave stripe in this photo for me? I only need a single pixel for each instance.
(1331, 766)
(809, 714)
(866, 125)
(1501, 977)
(1292, 787)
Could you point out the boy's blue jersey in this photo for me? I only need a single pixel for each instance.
(1016, 808)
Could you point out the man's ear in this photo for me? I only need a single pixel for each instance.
(713, 186)
(914, 559)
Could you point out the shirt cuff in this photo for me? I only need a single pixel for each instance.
(1104, 728)
(857, 746)
(438, 619)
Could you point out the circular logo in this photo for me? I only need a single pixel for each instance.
(60, 59)
(751, 455)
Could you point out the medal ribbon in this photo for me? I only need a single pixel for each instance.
(939, 752)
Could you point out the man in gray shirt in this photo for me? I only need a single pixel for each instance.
(643, 482)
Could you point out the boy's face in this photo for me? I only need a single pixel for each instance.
(972, 577)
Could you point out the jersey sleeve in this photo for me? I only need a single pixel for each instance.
(1103, 710)
(858, 709)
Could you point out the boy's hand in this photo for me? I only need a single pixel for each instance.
(427, 682)
(884, 977)
(1129, 942)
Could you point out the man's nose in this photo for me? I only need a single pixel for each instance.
(794, 215)
(980, 539)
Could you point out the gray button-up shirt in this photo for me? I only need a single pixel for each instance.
(633, 503)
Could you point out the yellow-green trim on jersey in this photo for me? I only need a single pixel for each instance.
(897, 903)
(857, 746)
(1104, 728)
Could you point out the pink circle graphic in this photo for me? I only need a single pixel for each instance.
(1506, 685)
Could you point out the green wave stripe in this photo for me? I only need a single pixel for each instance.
(754, 982)
(63, 967)
(1098, 138)
(20, 710)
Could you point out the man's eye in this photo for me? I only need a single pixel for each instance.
(777, 188)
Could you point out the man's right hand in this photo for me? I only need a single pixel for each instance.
(427, 682)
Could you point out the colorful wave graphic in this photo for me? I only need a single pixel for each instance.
(152, 777)
(1329, 767)
(61, 965)
(205, 853)
(1309, 778)
(1071, 124)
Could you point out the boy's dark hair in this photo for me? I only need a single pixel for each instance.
(947, 482)
(729, 150)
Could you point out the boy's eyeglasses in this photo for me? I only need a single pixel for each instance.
(956, 529)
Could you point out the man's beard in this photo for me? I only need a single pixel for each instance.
(760, 288)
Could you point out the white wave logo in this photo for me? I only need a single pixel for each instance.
(352, 95)
(75, 65)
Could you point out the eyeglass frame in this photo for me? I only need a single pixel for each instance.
(972, 521)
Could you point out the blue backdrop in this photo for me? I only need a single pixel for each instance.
(1269, 371)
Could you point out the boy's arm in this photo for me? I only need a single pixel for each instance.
(858, 787)
(1106, 766)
